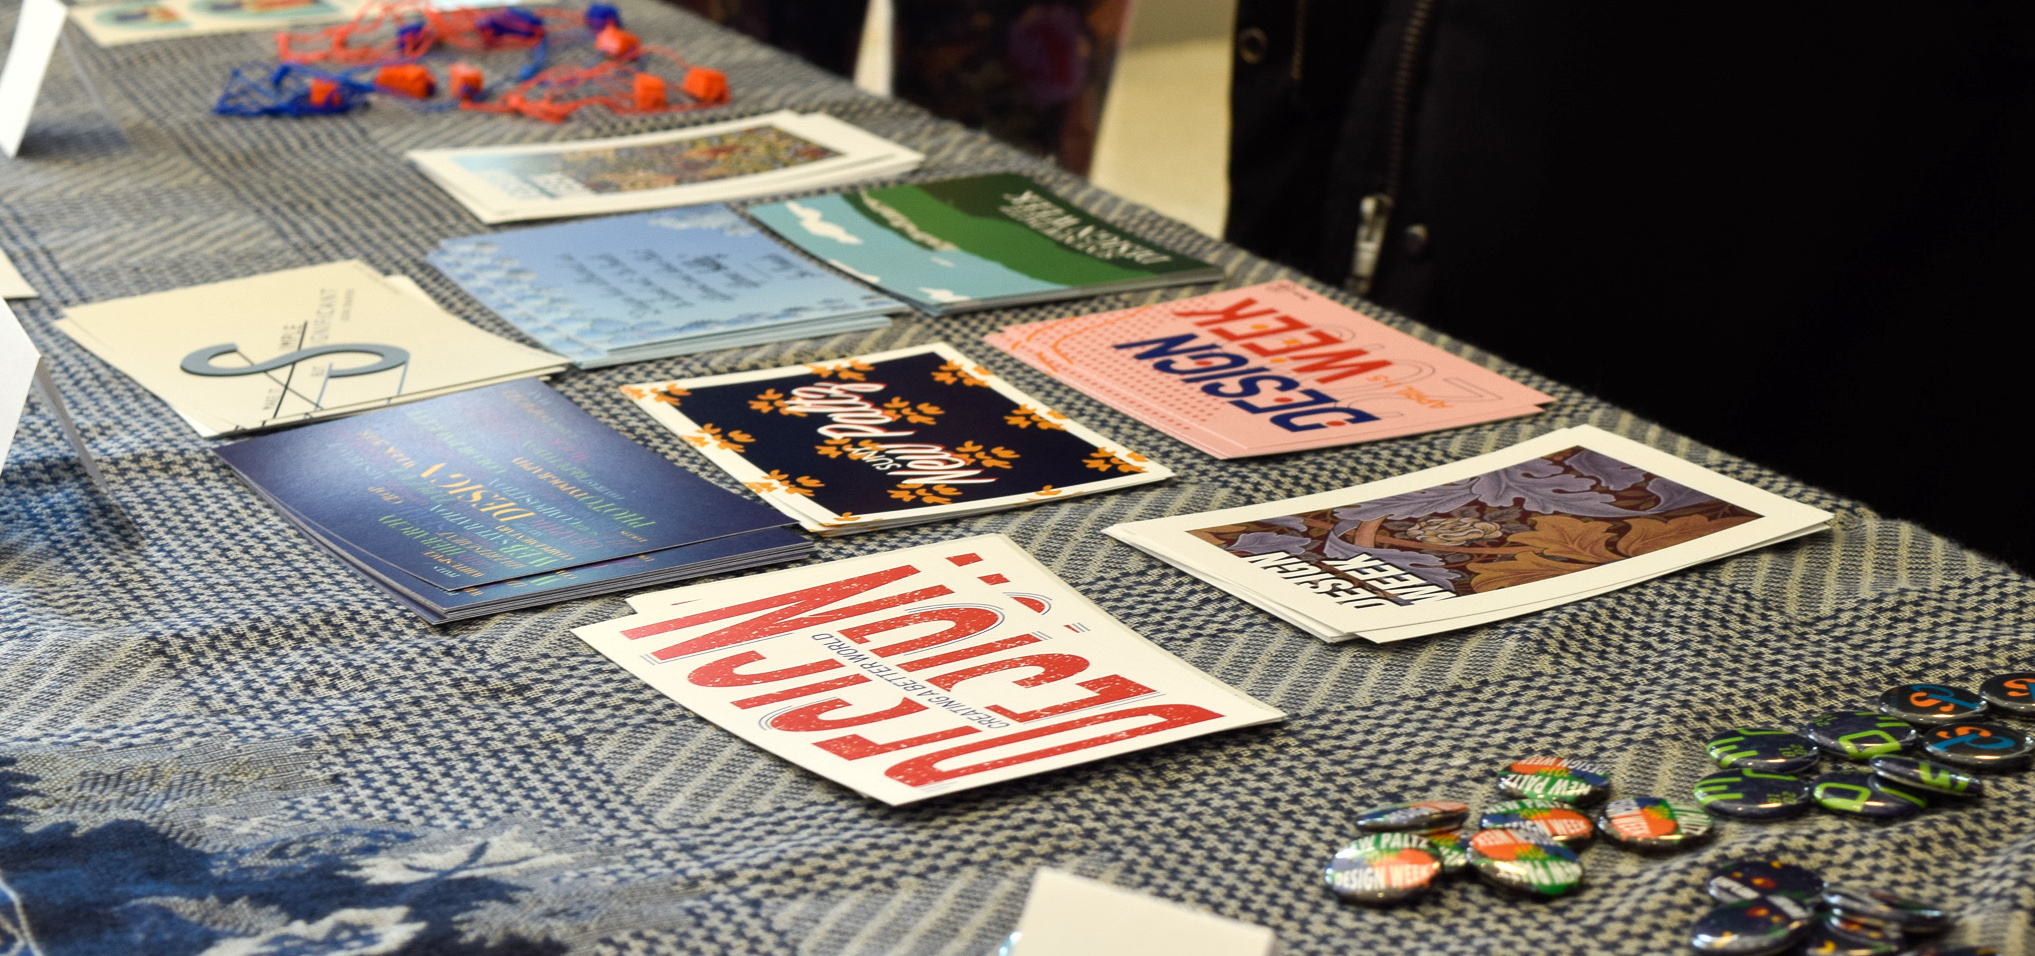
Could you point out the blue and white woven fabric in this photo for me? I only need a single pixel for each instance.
(216, 739)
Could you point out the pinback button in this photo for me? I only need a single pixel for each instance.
(1864, 795)
(1880, 908)
(1558, 821)
(1452, 847)
(1754, 927)
(1554, 778)
(1916, 774)
(2011, 693)
(1836, 936)
(1931, 704)
(1764, 749)
(1413, 817)
(1954, 951)
(1381, 868)
(1750, 879)
(1752, 795)
(1978, 745)
(1651, 823)
(1524, 861)
(1860, 734)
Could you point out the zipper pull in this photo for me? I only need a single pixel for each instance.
(1376, 210)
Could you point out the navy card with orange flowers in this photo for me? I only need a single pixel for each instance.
(888, 439)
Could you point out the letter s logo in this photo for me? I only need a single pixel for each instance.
(387, 357)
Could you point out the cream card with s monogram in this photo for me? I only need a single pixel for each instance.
(296, 346)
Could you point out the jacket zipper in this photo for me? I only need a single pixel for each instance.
(1375, 211)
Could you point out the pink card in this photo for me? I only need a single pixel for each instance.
(1264, 369)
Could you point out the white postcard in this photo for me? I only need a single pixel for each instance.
(1567, 515)
(717, 162)
(915, 673)
(296, 345)
(1068, 915)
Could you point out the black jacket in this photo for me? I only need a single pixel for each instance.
(1796, 231)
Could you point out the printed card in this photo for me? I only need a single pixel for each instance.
(921, 672)
(1265, 369)
(1571, 513)
(915, 434)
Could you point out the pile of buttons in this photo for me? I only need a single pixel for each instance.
(1527, 844)
(1767, 906)
(1764, 769)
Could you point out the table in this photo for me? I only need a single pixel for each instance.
(212, 734)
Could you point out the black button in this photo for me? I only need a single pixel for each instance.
(1764, 749)
(1978, 745)
(1880, 908)
(1752, 795)
(1864, 795)
(1860, 734)
(1754, 927)
(2011, 693)
(1748, 879)
(1931, 704)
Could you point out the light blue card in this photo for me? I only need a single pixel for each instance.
(627, 288)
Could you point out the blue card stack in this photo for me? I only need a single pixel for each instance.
(651, 285)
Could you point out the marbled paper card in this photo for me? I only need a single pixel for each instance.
(894, 437)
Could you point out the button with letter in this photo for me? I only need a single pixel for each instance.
(1557, 821)
(1382, 868)
(1922, 775)
(2011, 693)
(1764, 749)
(1860, 734)
(1931, 704)
(1835, 935)
(1413, 817)
(1524, 861)
(1651, 823)
(1978, 745)
(1752, 795)
(1864, 795)
(1554, 778)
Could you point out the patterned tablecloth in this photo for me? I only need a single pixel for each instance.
(214, 738)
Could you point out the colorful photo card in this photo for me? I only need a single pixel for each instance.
(1569, 514)
(978, 242)
(1266, 369)
(778, 152)
(912, 674)
(891, 438)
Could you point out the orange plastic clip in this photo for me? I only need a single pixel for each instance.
(408, 79)
(616, 43)
(324, 93)
(649, 91)
(707, 86)
(466, 80)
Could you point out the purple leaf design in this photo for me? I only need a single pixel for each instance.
(1420, 564)
(1612, 473)
(1295, 522)
(1440, 499)
(1673, 495)
(1267, 542)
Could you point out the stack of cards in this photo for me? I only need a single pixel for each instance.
(296, 346)
(889, 439)
(1565, 516)
(917, 673)
(503, 498)
(1265, 369)
(981, 242)
(739, 159)
(650, 285)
